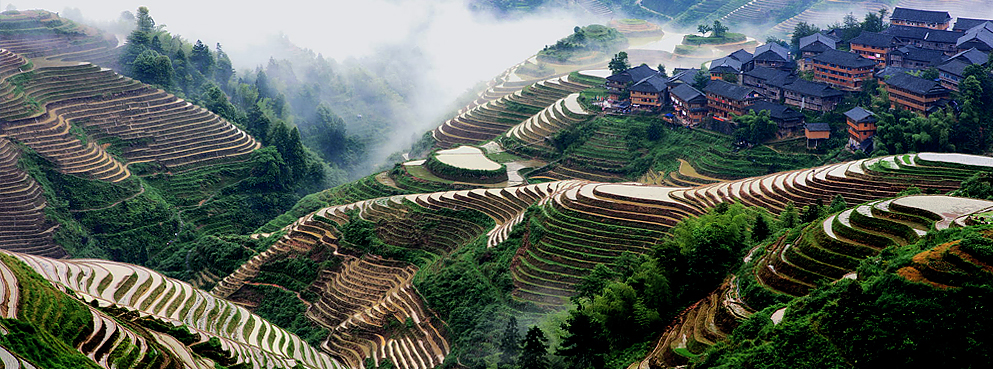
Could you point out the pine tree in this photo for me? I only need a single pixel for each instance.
(584, 347)
(789, 217)
(201, 58)
(510, 344)
(145, 21)
(535, 348)
(258, 124)
(838, 204)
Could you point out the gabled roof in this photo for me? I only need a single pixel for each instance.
(844, 59)
(906, 32)
(923, 34)
(860, 115)
(729, 90)
(915, 84)
(955, 67)
(741, 55)
(776, 111)
(915, 53)
(812, 89)
(818, 38)
(981, 35)
(725, 64)
(688, 94)
(948, 37)
(633, 75)
(683, 76)
(817, 127)
(765, 74)
(874, 39)
(781, 80)
(651, 84)
(923, 16)
(964, 24)
(772, 52)
(971, 56)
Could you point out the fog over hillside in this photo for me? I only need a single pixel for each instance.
(455, 48)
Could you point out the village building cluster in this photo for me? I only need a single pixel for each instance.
(818, 77)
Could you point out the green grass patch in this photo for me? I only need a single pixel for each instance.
(727, 38)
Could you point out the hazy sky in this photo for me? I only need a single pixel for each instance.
(461, 46)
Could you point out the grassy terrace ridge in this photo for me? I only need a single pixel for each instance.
(728, 38)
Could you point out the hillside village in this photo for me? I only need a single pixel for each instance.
(817, 77)
(819, 202)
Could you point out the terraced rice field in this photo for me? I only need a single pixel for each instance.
(69, 111)
(253, 340)
(23, 227)
(55, 38)
(825, 251)
(560, 115)
(491, 118)
(586, 223)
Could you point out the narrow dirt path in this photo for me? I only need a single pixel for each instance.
(305, 302)
(141, 191)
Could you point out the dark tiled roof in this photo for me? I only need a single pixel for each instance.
(981, 35)
(683, 76)
(906, 32)
(948, 37)
(874, 39)
(772, 52)
(818, 38)
(812, 89)
(687, 93)
(776, 111)
(741, 55)
(964, 24)
(844, 59)
(726, 63)
(651, 84)
(765, 74)
(918, 54)
(955, 67)
(818, 127)
(860, 115)
(728, 90)
(923, 34)
(633, 75)
(781, 80)
(914, 84)
(924, 16)
(972, 56)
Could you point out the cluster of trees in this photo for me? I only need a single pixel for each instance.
(882, 319)
(959, 127)
(583, 40)
(755, 127)
(620, 307)
(207, 78)
(718, 29)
